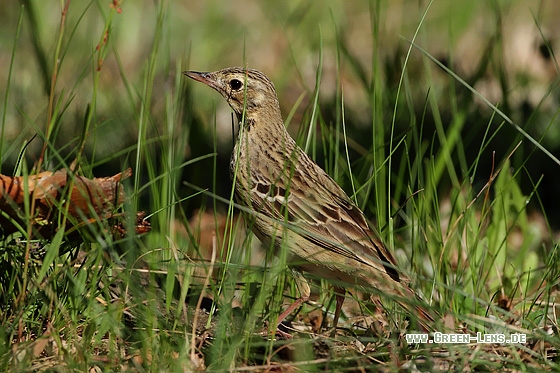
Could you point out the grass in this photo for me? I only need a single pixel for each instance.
(459, 187)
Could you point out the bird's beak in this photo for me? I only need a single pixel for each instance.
(204, 77)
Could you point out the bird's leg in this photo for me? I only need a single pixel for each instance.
(304, 291)
(340, 294)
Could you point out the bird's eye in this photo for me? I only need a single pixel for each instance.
(235, 84)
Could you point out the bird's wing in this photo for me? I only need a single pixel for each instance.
(320, 211)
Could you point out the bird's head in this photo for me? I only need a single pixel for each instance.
(244, 89)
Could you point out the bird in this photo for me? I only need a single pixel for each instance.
(294, 205)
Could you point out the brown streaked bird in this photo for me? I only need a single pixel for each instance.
(296, 204)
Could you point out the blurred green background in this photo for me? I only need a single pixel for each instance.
(504, 49)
